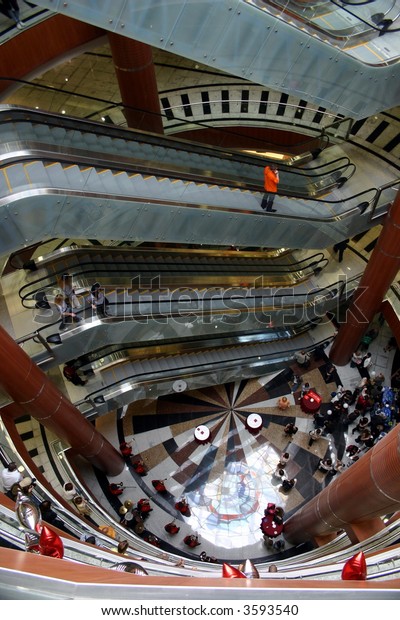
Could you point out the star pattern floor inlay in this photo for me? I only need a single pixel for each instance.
(229, 481)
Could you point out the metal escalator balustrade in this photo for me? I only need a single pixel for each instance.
(291, 52)
(140, 379)
(136, 269)
(345, 24)
(81, 192)
(205, 316)
(333, 173)
(45, 129)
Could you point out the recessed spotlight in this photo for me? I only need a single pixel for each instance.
(62, 111)
(66, 79)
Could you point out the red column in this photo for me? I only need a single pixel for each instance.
(30, 388)
(133, 63)
(354, 500)
(379, 274)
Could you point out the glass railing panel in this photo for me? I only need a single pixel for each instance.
(111, 114)
(227, 38)
(355, 28)
(110, 141)
(379, 16)
(30, 14)
(343, 21)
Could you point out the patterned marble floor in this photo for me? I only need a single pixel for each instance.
(229, 481)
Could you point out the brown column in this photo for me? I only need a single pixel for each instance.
(30, 388)
(379, 274)
(354, 500)
(133, 63)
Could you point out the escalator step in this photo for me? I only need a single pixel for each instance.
(57, 175)
(36, 173)
(58, 134)
(16, 176)
(164, 364)
(105, 142)
(42, 131)
(75, 176)
(9, 133)
(124, 183)
(145, 366)
(90, 139)
(108, 181)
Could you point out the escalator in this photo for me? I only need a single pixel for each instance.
(49, 190)
(171, 314)
(281, 53)
(150, 268)
(131, 380)
(150, 368)
(46, 134)
(346, 25)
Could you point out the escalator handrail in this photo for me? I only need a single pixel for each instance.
(337, 286)
(168, 142)
(372, 26)
(53, 154)
(111, 165)
(338, 292)
(323, 138)
(288, 354)
(315, 262)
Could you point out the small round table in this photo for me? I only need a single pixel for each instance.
(270, 528)
(179, 385)
(202, 434)
(310, 402)
(254, 423)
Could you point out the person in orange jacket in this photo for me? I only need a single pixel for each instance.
(271, 180)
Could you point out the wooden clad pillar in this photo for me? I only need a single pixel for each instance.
(356, 498)
(134, 67)
(30, 388)
(379, 274)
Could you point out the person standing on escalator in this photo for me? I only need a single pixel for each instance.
(11, 9)
(98, 300)
(271, 180)
(340, 248)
